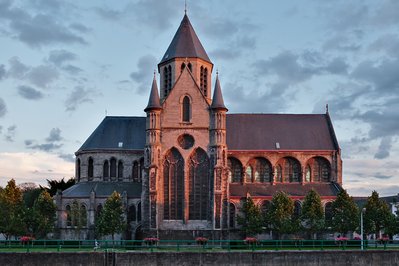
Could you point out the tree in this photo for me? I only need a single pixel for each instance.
(78, 217)
(111, 220)
(280, 214)
(44, 211)
(345, 214)
(11, 211)
(252, 219)
(55, 185)
(377, 214)
(30, 193)
(312, 216)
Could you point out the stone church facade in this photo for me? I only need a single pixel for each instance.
(184, 169)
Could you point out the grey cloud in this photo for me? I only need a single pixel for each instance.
(80, 27)
(43, 75)
(226, 54)
(28, 142)
(234, 48)
(386, 14)
(55, 135)
(217, 28)
(109, 14)
(384, 148)
(77, 97)
(10, 134)
(2, 72)
(1, 129)
(59, 57)
(72, 70)
(29, 93)
(67, 157)
(37, 30)
(388, 43)
(143, 74)
(337, 66)
(382, 176)
(47, 147)
(3, 108)
(17, 69)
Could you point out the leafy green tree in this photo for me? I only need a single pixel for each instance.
(280, 214)
(252, 219)
(11, 211)
(111, 220)
(345, 214)
(30, 193)
(377, 214)
(312, 216)
(44, 211)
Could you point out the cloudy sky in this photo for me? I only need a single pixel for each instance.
(64, 65)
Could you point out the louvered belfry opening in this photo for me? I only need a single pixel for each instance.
(199, 186)
(173, 185)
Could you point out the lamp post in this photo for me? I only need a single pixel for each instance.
(361, 228)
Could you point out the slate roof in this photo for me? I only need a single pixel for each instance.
(185, 43)
(291, 131)
(102, 189)
(292, 189)
(114, 129)
(217, 102)
(153, 101)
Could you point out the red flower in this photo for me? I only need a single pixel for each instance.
(250, 240)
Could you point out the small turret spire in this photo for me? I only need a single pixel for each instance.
(153, 101)
(217, 101)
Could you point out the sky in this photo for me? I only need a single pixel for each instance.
(65, 65)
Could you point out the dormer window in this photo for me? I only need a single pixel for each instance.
(186, 109)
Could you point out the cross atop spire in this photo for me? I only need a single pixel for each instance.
(185, 7)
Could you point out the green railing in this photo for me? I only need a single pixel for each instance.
(190, 245)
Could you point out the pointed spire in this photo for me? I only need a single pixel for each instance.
(185, 43)
(217, 101)
(153, 102)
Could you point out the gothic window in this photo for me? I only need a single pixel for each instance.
(248, 175)
(235, 170)
(135, 171)
(232, 218)
(83, 215)
(328, 212)
(113, 167)
(292, 170)
(264, 207)
(204, 80)
(182, 67)
(131, 214)
(320, 169)
(173, 185)
(139, 212)
(69, 215)
(141, 168)
(261, 170)
(106, 170)
(199, 186)
(186, 110)
(167, 78)
(278, 175)
(190, 67)
(78, 169)
(308, 174)
(120, 170)
(90, 169)
(297, 209)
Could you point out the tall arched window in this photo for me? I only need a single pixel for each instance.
(278, 174)
(182, 67)
(186, 110)
(167, 78)
(69, 215)
(141, 168)
(120, 170)
(248, 174)
(173, 185)
(106, 170)
(135, 171)
(308, 174)
(112, 171)
(139, 212)
(78, 169)
(291, 170)
(90, 169)
(131, 214)
(199, 187)
(83, 216)
(261, 170)
(235, 170)
(232, 218)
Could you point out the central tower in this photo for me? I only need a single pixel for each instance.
(185, 177)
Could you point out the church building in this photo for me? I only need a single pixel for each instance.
(184, 169)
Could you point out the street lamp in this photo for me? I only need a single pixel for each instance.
(361, 227)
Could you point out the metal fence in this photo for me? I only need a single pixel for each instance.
(190, 245)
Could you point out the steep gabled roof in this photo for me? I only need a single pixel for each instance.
(185, 43)
(290, 131)
(130, 131)
(102, 189)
